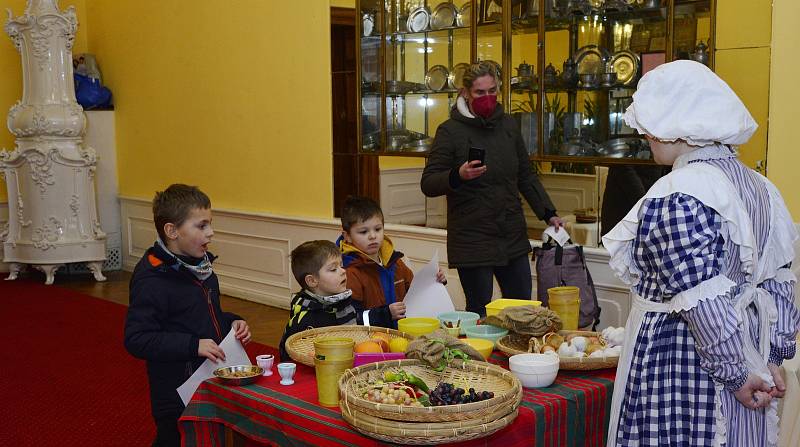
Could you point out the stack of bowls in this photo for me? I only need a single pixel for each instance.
(534, 370)
(486, 332)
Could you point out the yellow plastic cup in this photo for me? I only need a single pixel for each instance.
(566, 302)
(328, 374)
(333, 348)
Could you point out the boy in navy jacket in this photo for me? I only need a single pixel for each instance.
(174, 321)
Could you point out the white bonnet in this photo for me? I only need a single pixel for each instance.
(685, 100)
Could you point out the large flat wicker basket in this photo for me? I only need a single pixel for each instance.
(513, 344)
(473, 374)
(405, 425)
(425, 433)
(300, 346)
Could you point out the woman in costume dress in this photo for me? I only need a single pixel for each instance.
(706, 253)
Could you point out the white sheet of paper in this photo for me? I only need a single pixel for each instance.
(234, 355)
(561, 237)
(427, 297)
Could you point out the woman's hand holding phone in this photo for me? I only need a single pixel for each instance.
(474, 167)
(471, 170)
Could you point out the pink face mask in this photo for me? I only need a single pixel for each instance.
(484, 105)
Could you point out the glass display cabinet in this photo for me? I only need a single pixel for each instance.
(568, 70)
(569, 83)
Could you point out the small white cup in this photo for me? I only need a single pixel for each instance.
(286, 370)
(265, 361)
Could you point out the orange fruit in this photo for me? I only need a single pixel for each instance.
(383, 338)
(368, 346)
(383, 344)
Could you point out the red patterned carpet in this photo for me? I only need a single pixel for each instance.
(66, 379)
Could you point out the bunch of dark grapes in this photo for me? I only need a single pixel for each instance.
(448, 394)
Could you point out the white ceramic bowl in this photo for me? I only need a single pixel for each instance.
(534, 370)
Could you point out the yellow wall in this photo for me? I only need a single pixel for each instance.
(11, 68)
(783, 155)
(234, 97)
(742, 58)
(209, 94)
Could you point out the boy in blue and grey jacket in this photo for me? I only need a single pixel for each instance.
(175, 321)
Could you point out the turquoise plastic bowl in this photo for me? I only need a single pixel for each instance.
(486, 332)
(468, 319)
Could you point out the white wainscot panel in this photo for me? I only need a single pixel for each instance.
(402, 200)
(567, 191)
(253, 250)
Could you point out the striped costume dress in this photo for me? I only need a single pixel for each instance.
(706, 249)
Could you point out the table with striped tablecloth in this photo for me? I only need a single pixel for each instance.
(571, 412)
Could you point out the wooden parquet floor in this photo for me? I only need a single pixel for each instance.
(266, 322)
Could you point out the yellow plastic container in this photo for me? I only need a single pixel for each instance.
(484, 347)
(417, 326)
(566, 302)
(334, 348)
(328, 374)
(496, 306)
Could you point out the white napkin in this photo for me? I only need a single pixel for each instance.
(234, 355)
(561, 237)
(427, 297)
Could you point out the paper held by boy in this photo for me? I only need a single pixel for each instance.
(234, 355)
(427, 297)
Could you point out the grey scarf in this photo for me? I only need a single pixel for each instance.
(201, 271)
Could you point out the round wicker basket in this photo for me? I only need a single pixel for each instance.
(513, 344)
(420, 433)
(300, 346)
(473, 374)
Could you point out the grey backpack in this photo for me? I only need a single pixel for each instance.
(565, 266)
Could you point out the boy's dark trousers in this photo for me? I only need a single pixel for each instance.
(167, 434)
(514, 280)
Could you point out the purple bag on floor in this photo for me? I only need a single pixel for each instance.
(565, 266)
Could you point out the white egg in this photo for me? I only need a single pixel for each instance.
(565, 350)
(598, 353)
(579, 343)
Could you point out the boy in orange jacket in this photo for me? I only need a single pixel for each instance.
(376, 272)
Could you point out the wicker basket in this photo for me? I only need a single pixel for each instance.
(420, 433)
(300, 346)
(473, 374)
(513, 344)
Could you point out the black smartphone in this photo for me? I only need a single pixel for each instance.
(476, 153)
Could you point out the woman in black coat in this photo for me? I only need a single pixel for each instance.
(486, 230)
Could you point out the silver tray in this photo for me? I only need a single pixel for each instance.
(367, 24)
(456, 78)
(590, 59)
(626, 65)
(418, 20)
(444, 16)
(464, 17)
(436, 77)
(401, 87)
